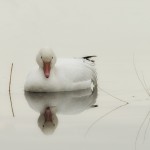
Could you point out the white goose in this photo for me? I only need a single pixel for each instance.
(48, 105)
(68, 74)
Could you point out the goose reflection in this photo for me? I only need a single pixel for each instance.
(50, 104)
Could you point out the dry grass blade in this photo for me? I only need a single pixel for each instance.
(106, 114)
(146, 129)
(140, 128)
(146, 90)
(145, 84)
(113, 96)
(10, 90)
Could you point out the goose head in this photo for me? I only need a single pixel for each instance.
(46, 60)
(47, 121)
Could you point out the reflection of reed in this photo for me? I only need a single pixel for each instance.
(106, 114)
(143, 83)
(145, 87)
(140, 128)
(10, 90)
(113, 96)
(146, 129)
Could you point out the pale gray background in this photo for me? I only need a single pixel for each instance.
(111, 29)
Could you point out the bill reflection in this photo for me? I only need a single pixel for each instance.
(48, 105)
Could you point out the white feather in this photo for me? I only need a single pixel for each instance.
(67, 74)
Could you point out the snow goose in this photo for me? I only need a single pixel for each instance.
(48, 105)
(63, 74)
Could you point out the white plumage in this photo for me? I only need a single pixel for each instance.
(68, 103)
(66, 74)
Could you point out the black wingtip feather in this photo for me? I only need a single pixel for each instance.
(89, 58)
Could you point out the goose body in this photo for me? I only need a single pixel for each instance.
(65, 74)
(66, 103)
(48, 105)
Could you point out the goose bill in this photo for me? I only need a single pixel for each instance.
(47, 68)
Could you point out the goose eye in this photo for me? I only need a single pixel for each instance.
(52, 57)
(41, 57)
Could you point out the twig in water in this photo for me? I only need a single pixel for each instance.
(106, 114)
(10, 90)
(146, 129)
(113, 96)
(103, 117)
(146, 90)
(140, 128)
(145, 84)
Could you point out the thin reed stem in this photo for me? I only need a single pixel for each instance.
(10, 90)
(109, 112)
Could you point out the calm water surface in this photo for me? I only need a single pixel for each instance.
(112, 124)
(111, 30)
